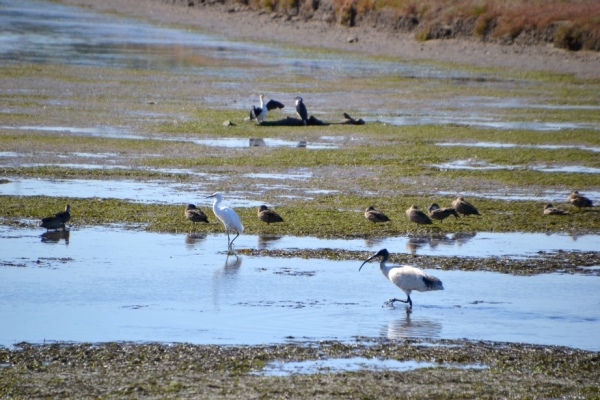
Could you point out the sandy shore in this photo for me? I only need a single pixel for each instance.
(238, 21)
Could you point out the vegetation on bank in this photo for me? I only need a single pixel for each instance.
(455, 369)
(326, 216)
(571, 24)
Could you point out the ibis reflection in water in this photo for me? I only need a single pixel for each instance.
(228, 217)
(406, 277)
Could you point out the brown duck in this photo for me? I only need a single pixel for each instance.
(374, 215)
(195, 214)
(549, 209)
(463, 207)
(579, 200)
(267, 215)
(417, 216)
(440, 214)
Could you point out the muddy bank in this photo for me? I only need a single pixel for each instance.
(459, 369)
(238, 20)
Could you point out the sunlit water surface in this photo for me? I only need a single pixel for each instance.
(107, 284)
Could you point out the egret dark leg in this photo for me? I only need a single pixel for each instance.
(238, 234)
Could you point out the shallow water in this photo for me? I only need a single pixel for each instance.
(525, 146)
(350, 364)
(108, 284)
(158, 191)
(484, 165)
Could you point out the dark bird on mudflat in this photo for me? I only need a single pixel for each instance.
(267, 215)
(417, 216)
(374, 215)
(64, 216)
(464, 207)
(406, 277)
(440, 214)
(579, 201)
(56, 221)
(259, 114)
(301, 110)
(195, 214)
(549, 209)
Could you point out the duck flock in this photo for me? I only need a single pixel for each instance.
(405, 277)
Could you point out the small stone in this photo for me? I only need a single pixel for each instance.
(352, 39)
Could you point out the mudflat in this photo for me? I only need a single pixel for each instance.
(244, 22)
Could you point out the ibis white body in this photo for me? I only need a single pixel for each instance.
(406, 277)
(228, 217)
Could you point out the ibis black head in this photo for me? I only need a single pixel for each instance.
(381, 253)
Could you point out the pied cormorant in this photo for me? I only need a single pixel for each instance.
(301, 110)
(258, 114)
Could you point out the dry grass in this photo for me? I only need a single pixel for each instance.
(573, 24)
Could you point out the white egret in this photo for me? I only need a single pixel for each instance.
(406, 277)
(228, 217)
(464, 207)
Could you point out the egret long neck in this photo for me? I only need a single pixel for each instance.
(216, 203)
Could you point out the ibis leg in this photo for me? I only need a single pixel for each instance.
(390, 302)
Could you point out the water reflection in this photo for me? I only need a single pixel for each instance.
(410, 326)
(439, 243)
(56, 236)
(264, 241)
(192, 238)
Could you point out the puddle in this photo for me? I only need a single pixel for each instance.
(517, 193)
(156, 191)
(486, 122)
(242, 143)
(97, 131)
(351, 364)
(524, 146)
(171, 289)
(138, 191)
(484, 165)
(113, 133)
